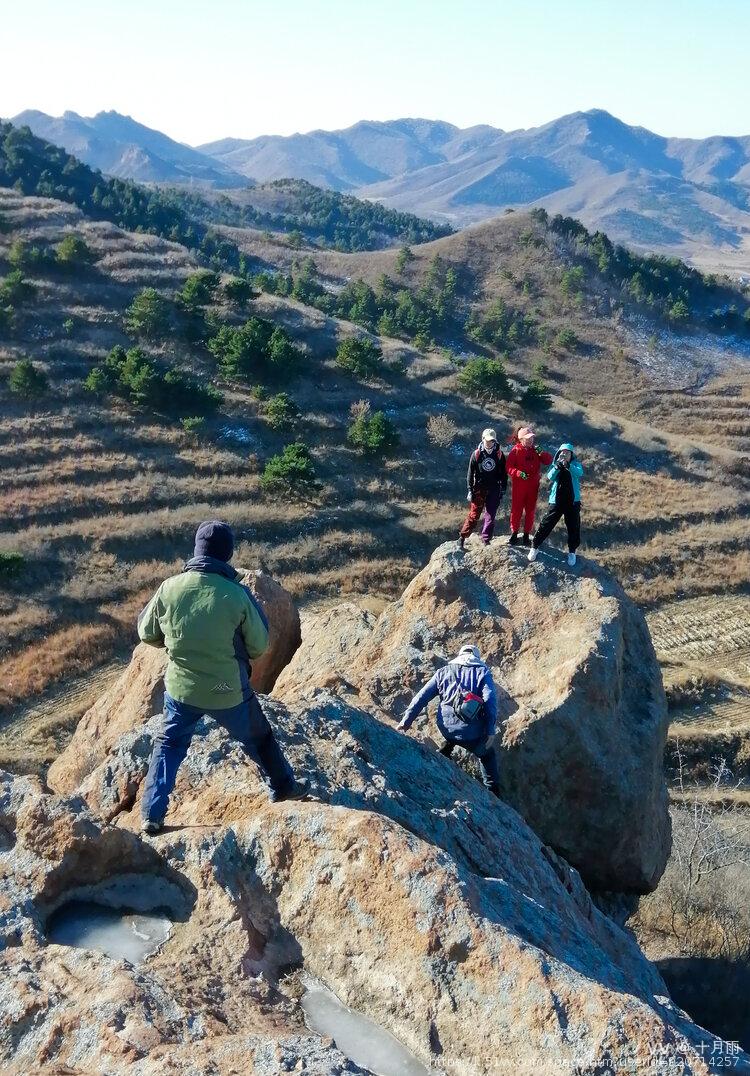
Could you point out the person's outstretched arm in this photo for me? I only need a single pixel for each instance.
(544, 456)
(149, 628)
(418, 703)
(254, 628)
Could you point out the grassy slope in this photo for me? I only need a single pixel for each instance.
(103, 500)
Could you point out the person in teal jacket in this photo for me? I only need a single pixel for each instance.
(211, 627)
(564, 501)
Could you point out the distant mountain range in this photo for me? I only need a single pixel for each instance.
(676, 195)
(119, 146)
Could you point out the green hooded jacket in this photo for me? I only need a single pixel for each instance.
(211, 627)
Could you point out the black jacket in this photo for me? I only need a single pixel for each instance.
(487, 470)
(564, 491)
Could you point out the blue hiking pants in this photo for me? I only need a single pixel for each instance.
(246, 723)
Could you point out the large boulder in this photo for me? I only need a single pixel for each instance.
(422, 901)
(283, 627)
(581, 697)
(137, 694)
(333, 640)
(192, 1009)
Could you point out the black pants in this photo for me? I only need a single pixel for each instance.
(487, 760)
(552, 517)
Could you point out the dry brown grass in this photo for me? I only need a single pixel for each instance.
(62, 654)
(441, 431)
(103, 500)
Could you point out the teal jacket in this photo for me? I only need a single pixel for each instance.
(576, 471)
(211, 627)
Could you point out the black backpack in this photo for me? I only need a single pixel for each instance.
(466, 704)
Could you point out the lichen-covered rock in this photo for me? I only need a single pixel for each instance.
(581, 696)
(419, 899)
(332, 639)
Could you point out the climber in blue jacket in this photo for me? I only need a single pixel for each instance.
(467, 710)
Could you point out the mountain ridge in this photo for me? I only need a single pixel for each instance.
(122, 147)
(678, 196)
(681, 197)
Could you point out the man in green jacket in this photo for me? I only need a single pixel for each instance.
(211, 627)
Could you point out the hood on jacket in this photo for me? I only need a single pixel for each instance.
(211, 566)
(566, 445)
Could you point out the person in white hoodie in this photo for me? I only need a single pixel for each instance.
(467, 710)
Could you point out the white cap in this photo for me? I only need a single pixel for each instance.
(489, 435)
(469, 649)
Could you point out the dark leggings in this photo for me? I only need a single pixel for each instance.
(487, 761)
(552, 517)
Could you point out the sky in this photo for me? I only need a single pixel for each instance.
(206, 70)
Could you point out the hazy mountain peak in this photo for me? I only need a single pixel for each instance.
(121, 146)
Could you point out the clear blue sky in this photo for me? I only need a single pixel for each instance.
(204, 70)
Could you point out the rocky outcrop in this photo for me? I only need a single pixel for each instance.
(127, 705)
(584, 711)
(333, 640)
(138, 693)
(193, 1009)
(420, 900)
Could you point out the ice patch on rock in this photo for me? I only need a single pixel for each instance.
(130, 936)
(358, 1037)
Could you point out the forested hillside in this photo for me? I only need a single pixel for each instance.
(34, 166)
(306, 212)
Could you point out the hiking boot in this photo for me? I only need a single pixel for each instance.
(571, 559)
(296, 791)
(513, 540)
(533, 553)
(461, 541)
(150, 826)
(527, 539)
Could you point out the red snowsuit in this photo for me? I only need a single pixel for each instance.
(524, 491)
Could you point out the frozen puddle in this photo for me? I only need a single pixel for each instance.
(123, 935)
(359, 1038)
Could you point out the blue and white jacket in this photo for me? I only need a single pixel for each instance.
(465, 673)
